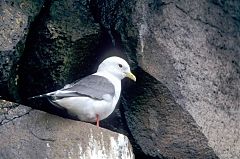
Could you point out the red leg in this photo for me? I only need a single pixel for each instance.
(97, 116)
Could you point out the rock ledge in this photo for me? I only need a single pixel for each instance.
(29, 133)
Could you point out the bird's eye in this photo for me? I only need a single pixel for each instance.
(120, 65)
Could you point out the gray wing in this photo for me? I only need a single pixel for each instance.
(91, 86)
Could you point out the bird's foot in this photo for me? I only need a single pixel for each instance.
(97, 120)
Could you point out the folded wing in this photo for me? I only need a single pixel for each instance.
(91, 86)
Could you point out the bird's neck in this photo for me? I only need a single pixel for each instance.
(109, 76)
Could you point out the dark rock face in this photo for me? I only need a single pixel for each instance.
(193, 48)
(61, 47)
(28, 133)
(186, 56)
(16, 17)
(160, 126)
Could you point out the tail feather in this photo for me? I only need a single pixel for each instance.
(39, 96)
(43, 95)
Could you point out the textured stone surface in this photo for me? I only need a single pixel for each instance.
(28, 133)
(60, 47)
(15, 19)
(160, 126)
(193, 48)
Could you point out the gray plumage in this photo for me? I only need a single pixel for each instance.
(91, 86)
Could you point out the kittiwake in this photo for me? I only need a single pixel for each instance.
(94, 97)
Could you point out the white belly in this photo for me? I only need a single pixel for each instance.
(86, 108)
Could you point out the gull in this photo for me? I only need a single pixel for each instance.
(94, 97)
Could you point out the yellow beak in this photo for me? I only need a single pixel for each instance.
(131, 76)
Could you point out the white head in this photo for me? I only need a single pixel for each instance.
(117, 67)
